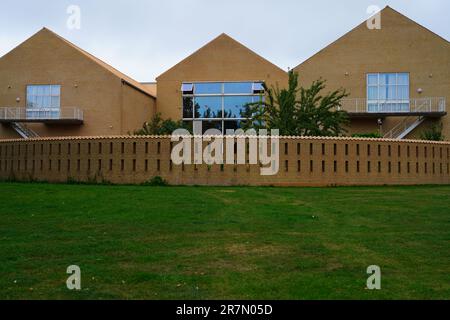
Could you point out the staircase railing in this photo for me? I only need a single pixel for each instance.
(411, 122)
(24, 131)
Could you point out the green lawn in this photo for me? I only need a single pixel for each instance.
(135, 242)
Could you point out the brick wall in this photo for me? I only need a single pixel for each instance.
(303, 162)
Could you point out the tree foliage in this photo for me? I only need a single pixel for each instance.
(299, 111)
(434, 133)
(158, 126)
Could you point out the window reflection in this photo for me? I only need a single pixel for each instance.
(225, 103)
(234, 106)
(208, 107)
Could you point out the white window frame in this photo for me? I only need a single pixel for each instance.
(43, 112)
(388, 105)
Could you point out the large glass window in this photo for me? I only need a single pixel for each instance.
(219, 104)
(43, 101)
(48, 96)
(388, 92)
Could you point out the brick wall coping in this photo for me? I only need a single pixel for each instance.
(127, 137)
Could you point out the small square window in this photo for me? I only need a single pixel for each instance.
(258, 87)
(187, 88)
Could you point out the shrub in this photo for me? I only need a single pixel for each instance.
(159, 127)
(156, 182)
(434, 133)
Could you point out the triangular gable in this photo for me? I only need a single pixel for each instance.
(211, 49)
(133, 83)
(387, 11)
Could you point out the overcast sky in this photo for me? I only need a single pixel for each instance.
(143, 38)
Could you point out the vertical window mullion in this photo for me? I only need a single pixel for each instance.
(396, 88)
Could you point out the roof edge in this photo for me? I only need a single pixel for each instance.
(100, 62)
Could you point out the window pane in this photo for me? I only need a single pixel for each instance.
(231, 125)
(403, 92)
(403, 78)
(373, 93)
(383, 93)
(392, 78)
(55, 102)
(373, 107)
(259, 98)
(39, 101)
(392, 93)
(238, 87)
(211, 125)
(34, 101)
(46, 101)
(208, 88)
(40, 90)
(234, 105)
(56, 90)
(372, 79)
(405, 106)
(383, 78)
(47, 91)
(208, 107)
(188, 104)
(258, 87)
(187, 88)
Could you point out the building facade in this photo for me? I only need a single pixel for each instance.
(215, 83)
(49, 87)
(398, 78)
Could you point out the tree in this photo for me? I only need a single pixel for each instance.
(299, 111)
(158, 126)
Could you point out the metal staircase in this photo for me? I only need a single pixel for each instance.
(408, 124)
(404, 128)
(23, 130)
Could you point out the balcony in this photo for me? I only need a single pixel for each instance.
(69, 115)
(361, 108)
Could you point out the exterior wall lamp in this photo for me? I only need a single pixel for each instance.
(380, 126)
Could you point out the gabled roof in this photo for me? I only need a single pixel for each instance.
(220, 38)
(131, 82)
(386, 9)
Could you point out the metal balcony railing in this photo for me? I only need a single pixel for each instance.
(40, 114)
(420, 105)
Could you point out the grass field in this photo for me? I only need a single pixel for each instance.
(223, 243)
